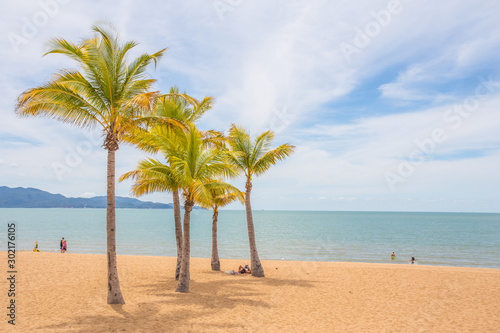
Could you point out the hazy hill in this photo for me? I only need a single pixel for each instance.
(21, 197)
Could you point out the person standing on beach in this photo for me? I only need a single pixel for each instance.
(393, 256)
(61, 244)
(64, 246)
(412, 260)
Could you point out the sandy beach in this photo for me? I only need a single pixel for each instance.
(67, 292)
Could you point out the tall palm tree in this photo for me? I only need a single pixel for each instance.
(220, 197)
(175, 106)
(197, 169)
(160, 137)
(192, 167)
(254, 157)
(108, 92)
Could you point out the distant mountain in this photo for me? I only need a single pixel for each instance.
(20, 197)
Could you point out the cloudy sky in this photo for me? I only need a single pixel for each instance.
(392, 105)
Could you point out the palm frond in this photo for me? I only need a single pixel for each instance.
(260, 145)
(253, 156)
(151, 176)
(56, 100)
(271, 158)
(105, 91)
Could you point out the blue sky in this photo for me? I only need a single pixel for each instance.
(393, 105)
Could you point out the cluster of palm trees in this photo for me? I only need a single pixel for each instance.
(115, 95)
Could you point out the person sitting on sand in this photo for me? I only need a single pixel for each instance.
(35, 249)
(244, 270)
(241, 270)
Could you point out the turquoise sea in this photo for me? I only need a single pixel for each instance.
(449, 239)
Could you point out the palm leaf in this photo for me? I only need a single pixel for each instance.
(271, 158)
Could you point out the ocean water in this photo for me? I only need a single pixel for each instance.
(449, 239)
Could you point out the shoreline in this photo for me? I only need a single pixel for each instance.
(294, 296)
(398, 263)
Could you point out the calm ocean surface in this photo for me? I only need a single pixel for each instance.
(450, 239)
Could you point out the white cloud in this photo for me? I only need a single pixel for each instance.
(346, 161)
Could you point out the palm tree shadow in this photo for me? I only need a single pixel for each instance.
(225, 293)
(147, 317)
(119, 309)
(180, 311)
(219, 294)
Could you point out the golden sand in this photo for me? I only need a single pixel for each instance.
(67, 292)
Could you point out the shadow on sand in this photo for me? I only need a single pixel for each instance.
(173, 312)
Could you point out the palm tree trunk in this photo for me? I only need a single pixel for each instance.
(178, 232)
(183, 286)
(215, 251)
(257, 269)
(114, 292)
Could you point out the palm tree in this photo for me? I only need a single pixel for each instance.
(160, 137)
(175, 106)
(192, 167)
(254, 157)
(197, 170)
(108, 92)
(220, 197)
